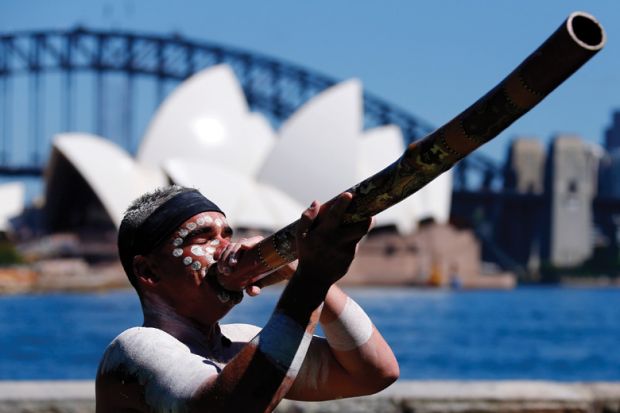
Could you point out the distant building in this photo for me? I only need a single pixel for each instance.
(521, 218)
(612, 134)
(560, 208)
(525, 166)
(609, 185)
(570, 190)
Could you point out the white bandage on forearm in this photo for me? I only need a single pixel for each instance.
(350, 330)
(284, 342)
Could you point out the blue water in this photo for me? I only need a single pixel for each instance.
(530, 333)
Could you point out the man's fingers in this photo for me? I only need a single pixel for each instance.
(373, 224)
(250, 242)
(252, 290)
(354, 232)
(333, 216)
(233, 258)
(307, 218)
(222, 263)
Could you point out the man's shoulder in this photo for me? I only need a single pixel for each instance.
(137, 335)
(138, 345)
(144, 339)
(238, 332)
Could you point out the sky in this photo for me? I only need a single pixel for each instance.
(431, 58)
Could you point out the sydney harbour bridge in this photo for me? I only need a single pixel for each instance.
(109, 83)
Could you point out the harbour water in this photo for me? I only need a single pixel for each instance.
(550, 333)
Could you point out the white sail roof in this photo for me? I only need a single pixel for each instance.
(317, 154)
(112, 174)
(204, 136)
(12, 196)
(246, 202)
(206, 117)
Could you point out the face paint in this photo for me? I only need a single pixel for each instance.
(200, 250)
(197, 250)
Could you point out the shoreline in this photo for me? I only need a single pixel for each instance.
(74, 275)
(403, 396)
(121, 287)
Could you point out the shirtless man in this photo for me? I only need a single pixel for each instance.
(183, 360)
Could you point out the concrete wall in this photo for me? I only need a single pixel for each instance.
(402, 397)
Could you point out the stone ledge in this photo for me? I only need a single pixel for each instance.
(403, 396)
(47, 390)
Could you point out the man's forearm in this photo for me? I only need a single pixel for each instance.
(355, 342)
(259, 377)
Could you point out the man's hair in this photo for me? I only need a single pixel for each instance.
(138, 212)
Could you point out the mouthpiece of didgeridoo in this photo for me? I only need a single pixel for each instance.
(566, 50)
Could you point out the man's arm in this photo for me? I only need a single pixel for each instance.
(353, 360)
(263, 372)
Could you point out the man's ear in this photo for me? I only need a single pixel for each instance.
(143, 272)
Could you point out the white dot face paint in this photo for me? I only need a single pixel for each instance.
(201, 250)
(197, 250)
(350, 330)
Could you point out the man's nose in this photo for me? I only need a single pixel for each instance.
(223, 243)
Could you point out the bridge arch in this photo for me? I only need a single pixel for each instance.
(91, 80)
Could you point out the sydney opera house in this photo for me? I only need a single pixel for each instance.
(204, 136)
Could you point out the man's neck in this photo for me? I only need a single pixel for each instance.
(159, 314)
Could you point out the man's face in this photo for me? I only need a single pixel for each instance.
(182, 262)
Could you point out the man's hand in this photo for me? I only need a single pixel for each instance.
(228, 258)
(325, 245)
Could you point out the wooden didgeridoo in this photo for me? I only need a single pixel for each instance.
(569, 47)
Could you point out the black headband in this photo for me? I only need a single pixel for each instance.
(167, 218)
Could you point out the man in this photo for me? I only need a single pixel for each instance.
(182, 360)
